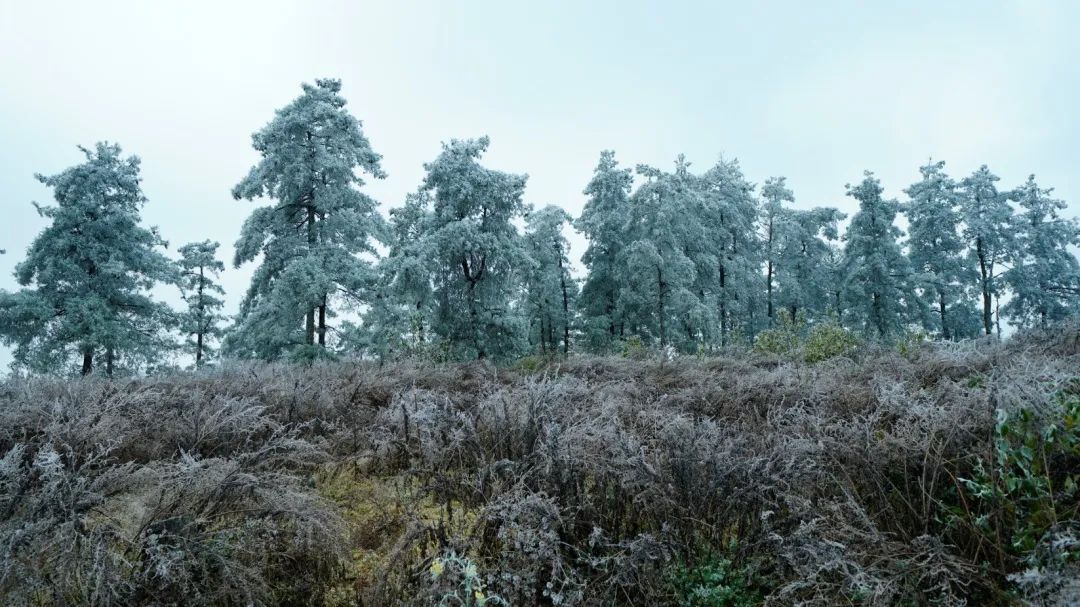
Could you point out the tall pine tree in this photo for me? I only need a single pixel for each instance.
(603, 222)
(1045, 277)
(313, 238)
(201, 322)
(936, 249)
(987, 219)
(880, 289)
(550, 290)
(474, 253)
(89, 273)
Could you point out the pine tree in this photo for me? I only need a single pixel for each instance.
(656, 298)
(89, 273)
(398, 321)
(935, 247)
(550, 291)
(201, 322)
(313, 237)
(881, 294)
(987, 219)
(803, 254)
(775, 194)
(1045, 277)
(730, 216)
(603, 222)
(474, 253)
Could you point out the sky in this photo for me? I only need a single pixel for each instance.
(814, 91)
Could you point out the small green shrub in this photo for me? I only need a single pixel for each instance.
(712, 582)
(793, 338)
(827, 341)
(633, 348)
(784, 338)
(468, 591)
(1031, 484)
(911, 341)
(533, 363)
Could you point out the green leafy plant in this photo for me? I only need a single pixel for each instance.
(1029, 485)
(633, 348)
(784, 338)
(828, 340)
(712, 582)
(911, 341)
(793, 337)
(469, 591)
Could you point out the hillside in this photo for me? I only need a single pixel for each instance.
(941, 474)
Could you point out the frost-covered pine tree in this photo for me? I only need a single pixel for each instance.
(881, 296)
(730, 217)
(313, 238)
(834, 275)
(603, 222)
(550, 290)
(89, 273)
(656, 297)
(474, 253)
(398, 320)
(803, 254)
(1045, 276)
(774, 194)
(201, 322)
(988, 218)
(936, 249)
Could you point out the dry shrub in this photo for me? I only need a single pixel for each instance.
(576, 482)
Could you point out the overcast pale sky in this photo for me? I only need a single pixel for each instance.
(815, 91)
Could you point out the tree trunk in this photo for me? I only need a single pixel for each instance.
(768, 283)
(985, 283)
(879, 318)
(202, 321)
(309, 321)
(109, 361)
(660, 305)
(87, 361)
(723, 307)
(941, 311)
(322, 323)
(565, 310)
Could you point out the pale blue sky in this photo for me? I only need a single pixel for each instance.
(816, 91)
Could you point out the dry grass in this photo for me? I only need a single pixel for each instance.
(579, 484)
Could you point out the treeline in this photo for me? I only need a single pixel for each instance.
(685, 261)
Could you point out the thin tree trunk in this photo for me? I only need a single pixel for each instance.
(565, 310)
(660, 305)
(322, 323)
(309, 321)
(769, 275)
(109, 361)
(202, 321)
(87, 361)
(941, 311)
(985, 280)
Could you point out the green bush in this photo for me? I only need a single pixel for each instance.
(911, 341)
(712, 582)
(827, 341)
(633, 348)
(819, 342)
(468, 589)
(784, 338)
(1029, 486)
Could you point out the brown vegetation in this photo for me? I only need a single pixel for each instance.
(585, 482)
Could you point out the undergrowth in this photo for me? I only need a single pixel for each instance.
(828, 473)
